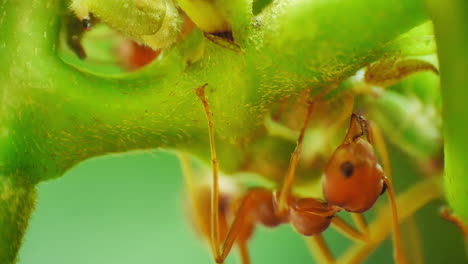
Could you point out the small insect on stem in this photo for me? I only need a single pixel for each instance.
(387, 72)
(353, 181)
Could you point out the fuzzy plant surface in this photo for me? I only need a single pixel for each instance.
(58, 112)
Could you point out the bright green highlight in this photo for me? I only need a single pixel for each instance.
(451, 28)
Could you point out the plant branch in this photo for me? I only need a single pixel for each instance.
(57, 116)
(451, 30)
(17, 202)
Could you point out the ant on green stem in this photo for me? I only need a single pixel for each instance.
(353, 181)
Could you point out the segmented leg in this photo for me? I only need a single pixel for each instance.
(360, 127)
(319, 249)
(398, 253)
(243, 222)
(244, 252)
(285, 191)
(215, 167)
(382, 150)
(190, 188)
(348, 231)
(377, 139)
(361, 223)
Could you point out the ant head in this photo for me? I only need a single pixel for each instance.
(353, 177)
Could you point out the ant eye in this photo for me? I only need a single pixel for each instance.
(86, 23)
(347, 169)
(384, 188)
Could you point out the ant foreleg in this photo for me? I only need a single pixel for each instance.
(285, 191)
(377, 139)
(399, 255)
(289, 179)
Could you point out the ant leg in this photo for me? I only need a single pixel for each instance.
(412, 241)
(215, 167)
(411, 236)
(375, 134)
(285, 192)
(244, 252)
(319, 248)
(361, 223)
(243, 223)
(190, 188)
(377, 139)
(347, 230)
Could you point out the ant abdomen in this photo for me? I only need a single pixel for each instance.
(265, 208)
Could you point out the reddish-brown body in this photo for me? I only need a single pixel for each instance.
(308, 216)
(353, 180)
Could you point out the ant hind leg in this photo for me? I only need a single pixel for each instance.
(215, 229)
(242, 225)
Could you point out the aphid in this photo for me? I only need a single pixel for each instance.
(353, 181)
(387, 71)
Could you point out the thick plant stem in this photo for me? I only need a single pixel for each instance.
(71, 115)
(451, 29)
(17, 202)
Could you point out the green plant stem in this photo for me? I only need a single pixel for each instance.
(17, 202)
(451, 28)
(56, 116)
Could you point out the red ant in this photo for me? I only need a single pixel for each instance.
(353, 180)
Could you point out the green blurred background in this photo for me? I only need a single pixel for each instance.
(130, 209)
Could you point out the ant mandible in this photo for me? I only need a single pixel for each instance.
(353, 181)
